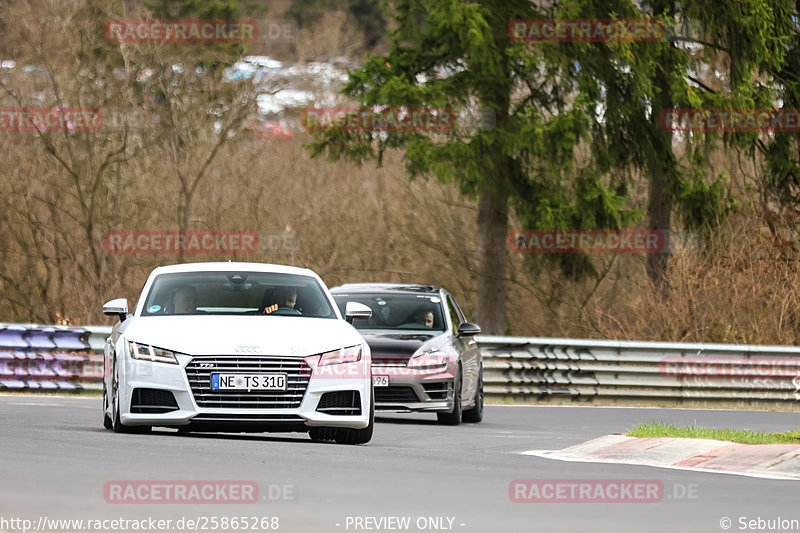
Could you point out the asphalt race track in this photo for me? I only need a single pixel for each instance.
(56, 460)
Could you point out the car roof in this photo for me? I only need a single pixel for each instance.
(409, 288)
(226, 266)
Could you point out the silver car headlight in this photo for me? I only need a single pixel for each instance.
(145, 352)
(431, 360)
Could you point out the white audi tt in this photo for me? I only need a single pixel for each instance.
(238, 347)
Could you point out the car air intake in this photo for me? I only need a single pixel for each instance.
(346, 402)
(153, 401)
(437, 391)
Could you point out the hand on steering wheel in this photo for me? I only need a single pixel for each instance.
(283, 310)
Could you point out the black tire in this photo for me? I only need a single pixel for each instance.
(453, 418)
(359, 436)
(116, 423)
(322, 434)
(107, 423)
(475, 415)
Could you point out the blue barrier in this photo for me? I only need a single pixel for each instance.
(34, 357)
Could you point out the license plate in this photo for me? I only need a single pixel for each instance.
(380, 381)
(248, 381)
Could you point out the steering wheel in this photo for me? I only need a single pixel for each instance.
(286, 311)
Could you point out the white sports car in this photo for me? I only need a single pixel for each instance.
(238, 347)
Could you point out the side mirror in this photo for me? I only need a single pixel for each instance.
(118, 308)
(467, 329)
(355, 310)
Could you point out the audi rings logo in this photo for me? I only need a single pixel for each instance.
(247, 349)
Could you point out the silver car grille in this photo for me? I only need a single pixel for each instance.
(200, 368)
(390, 363)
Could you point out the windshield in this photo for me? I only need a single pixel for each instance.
(237, 293)
(397, 311)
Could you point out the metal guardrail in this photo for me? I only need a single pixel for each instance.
(36, 357)
(527, 369)
(517, 368)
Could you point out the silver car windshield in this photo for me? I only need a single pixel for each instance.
(237, 293)
(397, 311)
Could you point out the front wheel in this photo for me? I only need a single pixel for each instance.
(359, 436)
(116, 423)
(322, 434)
(475, 414)
(453, 418)
(107, 423)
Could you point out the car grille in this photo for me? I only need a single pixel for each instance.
(395, 395)
(345, 402)
(200, 368)
(389, 363)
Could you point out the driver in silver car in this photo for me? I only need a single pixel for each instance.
(424, 317)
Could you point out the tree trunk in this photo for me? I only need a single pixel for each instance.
(659, 207)
(492, 237)
(184, 214)
(660, 200)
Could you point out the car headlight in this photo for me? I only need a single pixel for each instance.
(145, 352)
(342, 355)
(432, 360)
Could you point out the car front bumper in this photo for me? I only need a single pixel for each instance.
(411, 390)
(190, 414)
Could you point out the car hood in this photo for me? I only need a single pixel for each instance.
(400, 346)
(247, 335)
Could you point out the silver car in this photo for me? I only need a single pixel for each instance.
(424, 355)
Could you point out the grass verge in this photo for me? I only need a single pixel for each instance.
(498, 399)
(742, 436)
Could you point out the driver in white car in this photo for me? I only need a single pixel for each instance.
(284, 297)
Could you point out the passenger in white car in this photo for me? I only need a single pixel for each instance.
(185, 300)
